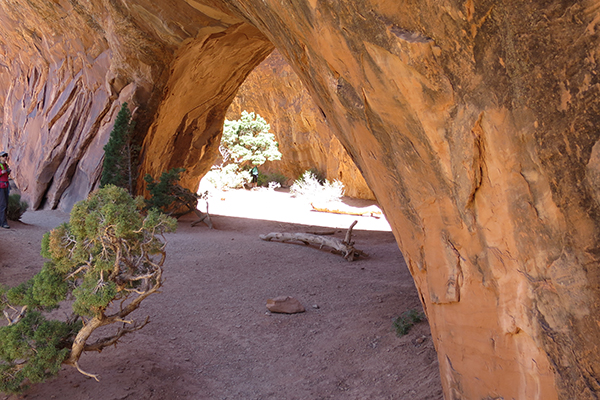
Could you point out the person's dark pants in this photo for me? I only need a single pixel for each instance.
(3, 206)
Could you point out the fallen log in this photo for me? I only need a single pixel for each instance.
(343, 247)
(322, 233)
(371, 213)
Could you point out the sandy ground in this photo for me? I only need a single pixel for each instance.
(211, 336)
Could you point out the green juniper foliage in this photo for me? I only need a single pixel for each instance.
(248, 141)
(117, 167)
(16, 207)
(162, 193)
(107, 253)
(265, 179)
(245, 143)
(168, 196)
(32, 350)
(406, 321)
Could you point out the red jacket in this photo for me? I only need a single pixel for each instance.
(4, 171)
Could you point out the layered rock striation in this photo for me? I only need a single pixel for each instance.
(66, 68)
(473, 123)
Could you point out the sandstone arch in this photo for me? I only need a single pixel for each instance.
(274, 91)
(474, 123)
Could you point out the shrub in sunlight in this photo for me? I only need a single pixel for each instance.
(246, 143)
(274, 185)
(309, 187)
(268, 178)
(228, 177)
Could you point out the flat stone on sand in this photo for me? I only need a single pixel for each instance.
(285, 304)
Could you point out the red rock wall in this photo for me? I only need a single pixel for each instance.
(474, 123)
(189, 121)
(67, 67)
(274, 91)
(475, 128)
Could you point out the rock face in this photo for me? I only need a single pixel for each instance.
(67, 67)
(474, 124)
(274, 91)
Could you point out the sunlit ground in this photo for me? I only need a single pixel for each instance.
(279, 205)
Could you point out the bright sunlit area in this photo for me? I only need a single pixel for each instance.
(280, 205)
(236, 187)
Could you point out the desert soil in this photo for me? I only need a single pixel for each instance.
(211, 335)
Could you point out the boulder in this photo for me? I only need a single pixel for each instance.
(285, 305)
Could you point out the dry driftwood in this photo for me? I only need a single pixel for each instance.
(374, 214)
(186, 201)
(344, 247)
(202, 217)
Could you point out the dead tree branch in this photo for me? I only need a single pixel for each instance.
(101, 344)
(343, 247)
(369, 213)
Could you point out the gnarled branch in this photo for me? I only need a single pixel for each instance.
(345, 247)
(101, 344)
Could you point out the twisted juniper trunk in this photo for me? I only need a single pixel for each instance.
(80, 340)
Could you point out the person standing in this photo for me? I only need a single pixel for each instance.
(254, 173)
(4, 188)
